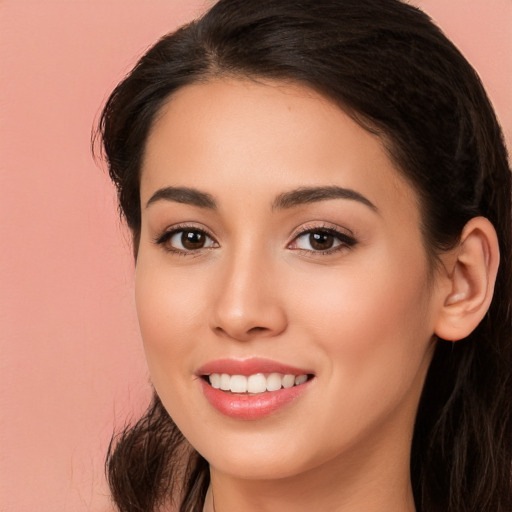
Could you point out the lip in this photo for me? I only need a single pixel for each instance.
(249, 367)
(244, 406)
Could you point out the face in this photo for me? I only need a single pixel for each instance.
(281, 259)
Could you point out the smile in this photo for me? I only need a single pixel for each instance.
(256, 383)
(254, 388)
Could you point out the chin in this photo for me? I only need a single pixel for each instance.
(261, 457)
(258, 467)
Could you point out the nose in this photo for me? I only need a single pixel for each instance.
(247, 304)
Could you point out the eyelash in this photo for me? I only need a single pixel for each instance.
(165, 237)
(345, 241)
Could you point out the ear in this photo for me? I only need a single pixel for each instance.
(470, 278)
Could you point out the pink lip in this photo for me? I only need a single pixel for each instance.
(249, 367)
(251, 407)
(247, 406)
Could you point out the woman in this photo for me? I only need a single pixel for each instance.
(319, 197)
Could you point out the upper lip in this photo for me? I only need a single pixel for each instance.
(249, 367)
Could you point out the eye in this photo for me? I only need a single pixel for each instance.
(322, 240)
(186, 240)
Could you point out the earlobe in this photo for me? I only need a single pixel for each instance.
(471, 276)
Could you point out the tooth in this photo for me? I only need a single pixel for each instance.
(224, 382)
(288, 381)
(256, 383)
(274, 381)
(238, 384)
(300, 379)
(215, 380)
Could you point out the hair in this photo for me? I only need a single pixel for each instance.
(395, 73)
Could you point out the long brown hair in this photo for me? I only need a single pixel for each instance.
(388, 66)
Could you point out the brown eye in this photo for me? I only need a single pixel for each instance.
(321, 241)
(186, 240)
(193, 240)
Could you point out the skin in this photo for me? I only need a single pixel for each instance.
(360, 318)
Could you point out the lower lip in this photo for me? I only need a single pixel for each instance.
(251, 407)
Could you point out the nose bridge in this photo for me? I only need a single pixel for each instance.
(247, 304)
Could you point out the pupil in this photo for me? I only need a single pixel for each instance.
(192, 239)
(321, 241)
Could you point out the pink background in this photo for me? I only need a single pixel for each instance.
(71, 363)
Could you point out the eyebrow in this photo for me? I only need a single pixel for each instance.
(305, 195)
(297, 197)
(183, 195)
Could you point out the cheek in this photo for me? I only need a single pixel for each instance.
(379, 294)
(169, 309)
(169, 305)
(374, 327)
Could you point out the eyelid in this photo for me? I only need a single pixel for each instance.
(312, 226)
(307, 227)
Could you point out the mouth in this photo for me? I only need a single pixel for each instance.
(256, 383)
(253, 388)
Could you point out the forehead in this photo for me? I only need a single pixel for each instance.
(246, 137)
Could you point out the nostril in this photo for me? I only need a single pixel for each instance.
(257, 329)
(253, 331)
